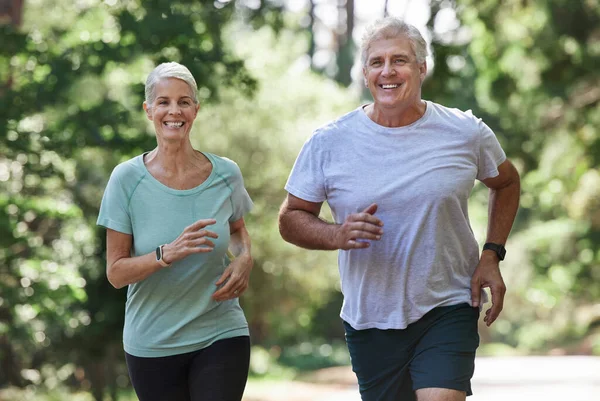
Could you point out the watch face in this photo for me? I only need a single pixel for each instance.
(499, 249)
(501, 252)
(158, 253)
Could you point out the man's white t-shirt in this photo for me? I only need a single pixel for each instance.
(420, 176)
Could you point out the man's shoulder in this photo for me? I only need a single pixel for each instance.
(453, 113)
(333, 128)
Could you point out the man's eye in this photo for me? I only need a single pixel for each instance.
(400, 61)
(375, 63)
(162, 102)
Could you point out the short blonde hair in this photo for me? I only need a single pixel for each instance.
(169, 70)
(391, 28)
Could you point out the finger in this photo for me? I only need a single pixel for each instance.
(367, 226)
(364, 235)
(223, 277)
(201, 224)
(203, 242)
(203, 233)
(352, 244)
(475, 292)
(200, 249)
(365, 218)
(225, 292)
(371, 209)
(497, 305)
(359, 227)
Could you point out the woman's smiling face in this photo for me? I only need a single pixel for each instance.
(173, 110)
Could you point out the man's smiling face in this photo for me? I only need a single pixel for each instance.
(393, 74)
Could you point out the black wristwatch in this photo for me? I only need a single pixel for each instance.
(498, 248)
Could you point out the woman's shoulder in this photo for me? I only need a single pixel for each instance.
(129, 171)
(223, 164)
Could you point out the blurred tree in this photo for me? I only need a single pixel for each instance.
(331, 46)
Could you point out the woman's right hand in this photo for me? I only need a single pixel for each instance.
(193, 239)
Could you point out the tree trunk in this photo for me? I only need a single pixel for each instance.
(11, 12)
(311, 33)
(345, 54)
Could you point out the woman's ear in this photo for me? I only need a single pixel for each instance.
(148, 111)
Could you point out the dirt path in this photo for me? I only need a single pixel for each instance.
(567, 378)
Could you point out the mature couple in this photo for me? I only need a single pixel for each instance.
(396, 173)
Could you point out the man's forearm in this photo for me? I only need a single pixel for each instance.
(503, 205)
(306, 230)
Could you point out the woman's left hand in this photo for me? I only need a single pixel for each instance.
(236, 278)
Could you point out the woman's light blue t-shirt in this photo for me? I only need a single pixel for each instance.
(171, 312)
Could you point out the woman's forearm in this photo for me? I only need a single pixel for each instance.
(129, 270)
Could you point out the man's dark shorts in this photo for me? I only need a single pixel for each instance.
(436, 351)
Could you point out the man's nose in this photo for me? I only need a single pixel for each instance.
(388, 68)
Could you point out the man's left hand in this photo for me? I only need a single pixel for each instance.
(487, 275)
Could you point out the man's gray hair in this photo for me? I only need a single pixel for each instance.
(169, 70)
(392, 28)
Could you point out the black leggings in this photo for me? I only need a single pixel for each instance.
(216, 373)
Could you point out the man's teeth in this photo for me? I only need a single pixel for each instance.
(174, 125)
(389, 86)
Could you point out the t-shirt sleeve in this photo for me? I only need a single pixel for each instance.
(240, 199)
(114, 210)
(491, 154)
(306, 180)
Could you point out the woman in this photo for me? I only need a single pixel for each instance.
(171, 214)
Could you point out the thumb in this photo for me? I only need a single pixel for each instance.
(371, 209)
(475, 292)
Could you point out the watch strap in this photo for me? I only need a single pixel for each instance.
(498, 248)
(159, 256)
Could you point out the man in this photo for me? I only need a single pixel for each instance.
(397, 175)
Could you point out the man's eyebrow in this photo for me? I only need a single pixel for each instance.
(166, 97)
(405, 55)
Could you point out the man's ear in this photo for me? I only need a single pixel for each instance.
(423, 71)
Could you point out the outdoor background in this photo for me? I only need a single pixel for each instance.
(271, 71)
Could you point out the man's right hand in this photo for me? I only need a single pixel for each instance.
(359, 227)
